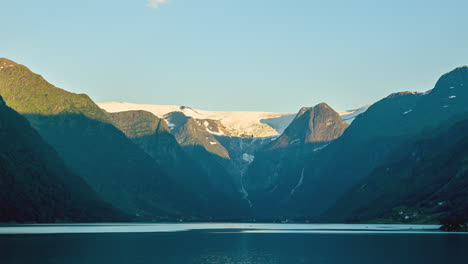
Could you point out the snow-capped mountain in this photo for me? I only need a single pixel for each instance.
(226, 123)
(350, 115)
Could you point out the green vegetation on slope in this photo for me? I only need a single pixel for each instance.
(29, 93)
(118, 170)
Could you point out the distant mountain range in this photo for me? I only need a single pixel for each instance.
(225, 123)
(401, 159)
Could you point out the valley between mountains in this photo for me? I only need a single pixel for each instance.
(65, 158)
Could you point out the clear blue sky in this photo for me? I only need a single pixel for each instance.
(266, 55)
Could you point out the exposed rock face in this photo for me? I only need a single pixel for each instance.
(312, 125)
(192, 133)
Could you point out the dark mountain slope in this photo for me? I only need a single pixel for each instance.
(276, 173)
(424, 180)
(91, 146)
(205, 148)
(198, 190)
(35, 184)
(151, 134)
(373, 136)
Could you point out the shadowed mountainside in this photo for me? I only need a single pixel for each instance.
(373, 136)
(212, 194)
(276, 173)
(91, 146)
(424, 180)
(397, 161)
(35, 184)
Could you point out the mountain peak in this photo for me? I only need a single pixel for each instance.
(318, 107)
(30, 93)
(460, 69)
(5, 60)
(322, 105)
(455, 79)
(316, 124)
(399, 94)
(6, 63)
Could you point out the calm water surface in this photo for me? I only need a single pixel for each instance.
(230, 243)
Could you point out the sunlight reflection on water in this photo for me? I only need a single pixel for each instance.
(223, 227)
(226, 243)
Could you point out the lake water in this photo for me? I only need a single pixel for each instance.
(230, 243)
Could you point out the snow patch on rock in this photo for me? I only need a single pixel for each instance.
(320, 148)
(220, 133)
(350, 115)
(298, 183)
(170, 125)
(248, 158)
(294, 141)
